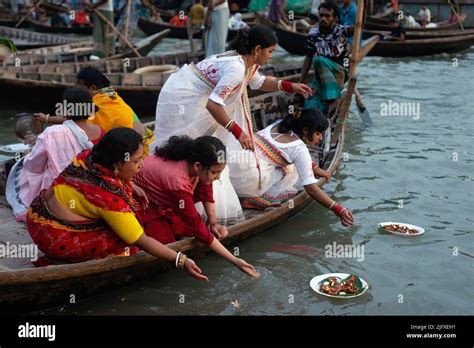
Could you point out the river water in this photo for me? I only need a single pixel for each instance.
(416, 168)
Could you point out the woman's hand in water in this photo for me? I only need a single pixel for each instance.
(323, 173)
(246, 142)
(191, 267)
(347, 219)
(247, 268)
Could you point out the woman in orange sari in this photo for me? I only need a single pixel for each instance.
(89, 210)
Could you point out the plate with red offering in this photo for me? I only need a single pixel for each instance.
(339, 285)
(401, 229)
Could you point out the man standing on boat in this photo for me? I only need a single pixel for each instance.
(216, 21)
(347, 15)
(104, 38)
(328, 53)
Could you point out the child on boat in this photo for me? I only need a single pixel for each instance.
(176, 177)
(89, 210)
(282, 149)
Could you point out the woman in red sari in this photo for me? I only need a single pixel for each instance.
(89, 210)
(179, 175)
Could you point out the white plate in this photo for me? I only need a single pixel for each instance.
(315, 284)
(418, 228)
(15, 148)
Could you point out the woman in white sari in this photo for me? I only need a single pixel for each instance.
(286, 165)
(210, 98)
(53, 151)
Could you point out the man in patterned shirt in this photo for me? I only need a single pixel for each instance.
(328, 52)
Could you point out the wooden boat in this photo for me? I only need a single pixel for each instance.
(422, 47)
(10, 20)
(444, 25)
(59, 49)
(111, 65)
(79, 52)
(140, 91)
(149, 27)
(25, 39)
(421, 34)
(295, 43)
(44, 28)
(292, 41)
(24, 288)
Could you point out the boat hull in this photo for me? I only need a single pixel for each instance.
(423, 47)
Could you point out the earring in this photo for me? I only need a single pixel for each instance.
(116, 171)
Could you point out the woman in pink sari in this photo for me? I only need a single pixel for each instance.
(176, 177)
(53, 151)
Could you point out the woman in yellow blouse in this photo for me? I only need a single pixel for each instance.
(89, 210)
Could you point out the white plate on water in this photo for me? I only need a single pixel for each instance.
(316, 283)
(15, 148)
(418, 228)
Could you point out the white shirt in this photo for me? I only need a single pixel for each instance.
(425, 14)
(295, 152)
(410, 22)
(227, 73)
(221, 6)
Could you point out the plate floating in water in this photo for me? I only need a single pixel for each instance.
(326, 279)
(15, 148)
(401, 229)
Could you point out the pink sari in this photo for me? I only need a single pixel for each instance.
(53, 151)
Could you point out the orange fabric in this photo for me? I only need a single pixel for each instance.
(113, 111)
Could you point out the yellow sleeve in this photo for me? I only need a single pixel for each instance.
(125, 225)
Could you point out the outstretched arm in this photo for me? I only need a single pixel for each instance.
(271, 84)
(155, 248)
(347, 219)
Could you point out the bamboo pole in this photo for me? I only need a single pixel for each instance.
(106, 21)
(28, 13)
(127, 21)
(357, 36)
(343, 107)
(190, 33)
(457, 14)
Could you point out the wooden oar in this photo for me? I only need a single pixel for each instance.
(127, 21)
(363, 112)
(190, 34)
(106, 21)
(344, 104)
(456, 13)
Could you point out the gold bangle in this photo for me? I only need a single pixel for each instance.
(330, 207)
(229, 124)
(182, 260)
(47, 119)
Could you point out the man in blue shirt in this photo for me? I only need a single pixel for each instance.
(347, 15)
